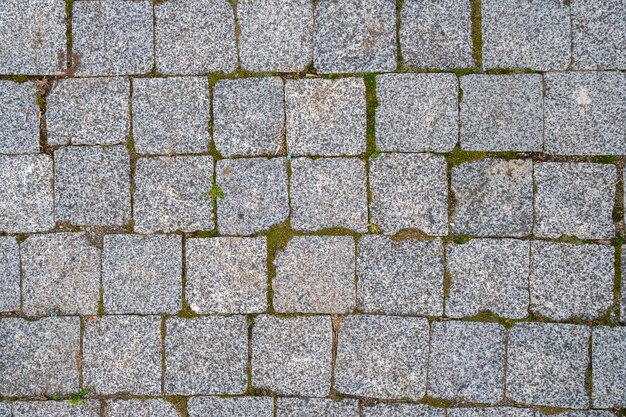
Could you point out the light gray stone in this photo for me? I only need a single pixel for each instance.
(90, 408)
(315, 407)
(61, 273)
(39, 357)
(140, 408)
(9, 274)
(172, 194)
(585, 113)
(292, 356)
(400, 278)
(19, 117)
(315, 274)
(547, 363)
(382, 357)
(403, 410)
(325, 117)
(255, 194)
(502, 113)
(206, 355)
(492, 412)
(586, 413)
(609, 367)
(328, 193)
(493, 197)
(226, 275)
(5, 409)
(417, 112)
(249, 116)
(231, 407)
(409, 191)
(195, 36)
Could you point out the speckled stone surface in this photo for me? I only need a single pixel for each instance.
(231, 407)
(90, 408)
(140, 408)
(403, 410)
(492, 412)
(609, 367)
(19, 117)
(314, 407)
(10, 284)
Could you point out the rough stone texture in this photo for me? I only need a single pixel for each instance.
(171, 115)
(112, 37)
(255, 194)
(231, 407)
(399, 278)
(88, 111)
(91, 408)
(502, 113)
(585, 113)
(416, 112)
(493, 197)
(328, 193)
(588, 413)
(172, 194)
(140, 408)
(195, 37)
(142, 275)
(19, 116)
(249, 116)
(275, 35)
(5, 410)
(61, 273)
(493, 412)
(92, 185)
(206, 355)
(292, 356)
(226, 275)
(315, 407)
(9, 274)
(409, 191)
(38, 357)
(436, 34)
(623, 295)
(315, 274)
(609, 367)
(526, 34)
(382, 357)
(403, 410)
(546, 364)
(325, 117)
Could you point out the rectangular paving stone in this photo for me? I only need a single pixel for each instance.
(292, 355)
(19, 117)
(502, 113)
(403, 410)
(315, 407)
(140, 408)
(226, 275)
(315, 274)
(382, 357)
(587, 413)
(492, 412)
(61, 273)
(325, 117)
(417, 112)
(399, 278)
(90, 408)
(608, 367)
(39, 357)
(9, 274)
(206, 355)
(171, 115)
(231, 407)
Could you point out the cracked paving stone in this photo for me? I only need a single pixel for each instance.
(9, 274)
(403, 410)
(315, 407)
(19, 117)
(140, 408)
(492, 412)
(91, 408)
(231, 407)
(609, 367)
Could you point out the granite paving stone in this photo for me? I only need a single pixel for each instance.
(19, 117)
(140, 408)
(587, 413)
(91, 408)
(492, 412)
(403, 410)
(231, 407)
(314, 407)
(10, 285)
(608, 367)
(5, 410)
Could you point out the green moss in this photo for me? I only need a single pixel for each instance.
(436, 402)
(461, 239)
(277, 238)
(550, 410)
(41, 102)
(457, 156)
(399, 58)
(508, 71)
(371, 103)
(69, 7)
(617, 286)
(605, 159)
(203, 234)
(477, 32)
(486, 316)
(574, 240)
(410, 233)
(186, 312)
(179, 402)
(459, 72)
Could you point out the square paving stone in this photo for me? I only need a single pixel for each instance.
(493, 197)
(26, 199)
(140, 408)
(171, 115)
(502, 113)
(249, 116)
(400, 278)
(292, 356)
(9, 274)
(195, 36)
(226, 274)
(315, 407)
(547, 363)
(90, 408)
(328, 193)
(88, 111)
(92, 185)
(255, 194)
(436, 34)
(142, 275)
(417, 112)
(403, 410)
(315, 274)
(172, 195)
(409, 191)
(231, 407)
(275, 35)
(61, 273)
(382, 357)
(39, 357)
(19, 117)
(609, 367)
(206, 355)
(492, 412)
(325, 117)
(488, 275)
(112, 37)
(585, 113)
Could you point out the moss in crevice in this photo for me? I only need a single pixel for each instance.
(486, 316)
(510, 71)
(457, 156)
(477, 31)
(461, 239)
(179, 402)
(277, 238)
(436, 402)
(410, 233)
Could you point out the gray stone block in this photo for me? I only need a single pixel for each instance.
(172, 194)
(61, 273)
(226, 275)
(586, 413)
(140, 408)
(409, 191)
(417, 112)
(325, 117)
(399, 278)
(315, 407)
(328, 193)
(91, 408)
(382, 357)
(19, 117)
(315, 274)
(9, 274)
(5, 410)
(403, 410)
(609, 367)
(292, 356)
(492, 412)
(231, 407)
